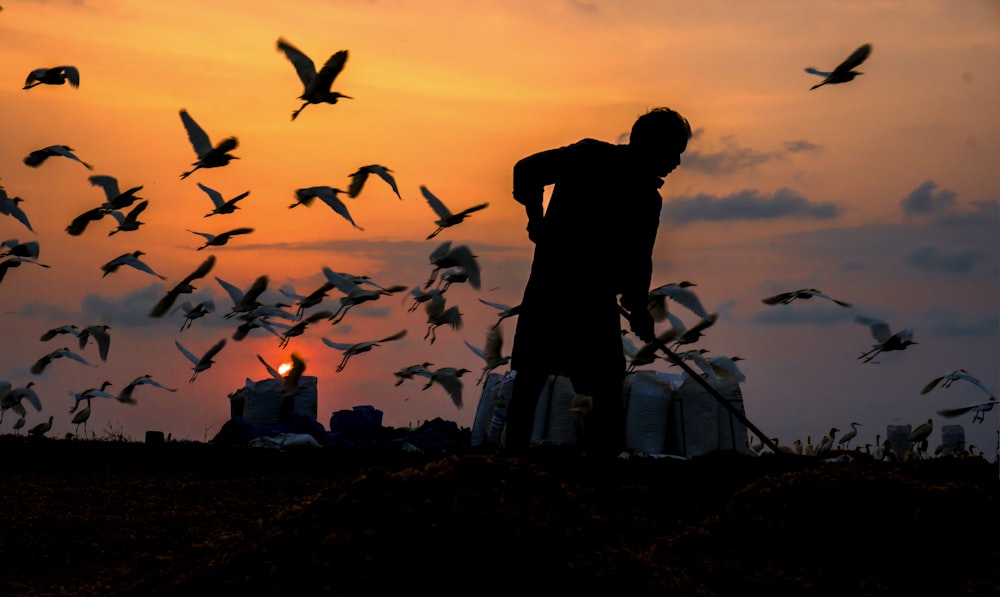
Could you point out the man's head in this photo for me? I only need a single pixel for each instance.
(660, 136)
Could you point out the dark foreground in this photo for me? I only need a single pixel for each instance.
(112, 518)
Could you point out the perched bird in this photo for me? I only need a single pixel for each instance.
(844, 71)
(9, 207)
(491, 352)
(979, 408)
(41, 429)
(921, 432)
(315, 85)
(63, 329)
(182, 287)
(56, 75)
(461, 256)
(203, 362)
(438, 314)
(125, 396)
(353, 293)
(885, 339)
(328, 195)
(826, 443)
(39, 366)
(192, 312)
(114, 197)
(845, 440)
(449, 378)
(803, 293)
(128, 222)
(131, 260)
(244, 301)
(350, 350)
(679, 292)
(410, 371)
(504, 311)
(80, 418)
(209, 156)
(37, 158)
(446, 218)
(359, 176)
(101, 337)
(221, 205)
(90, 393)
(947, 379)
(217, 240)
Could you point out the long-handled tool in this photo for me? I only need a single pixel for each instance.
(676, 360)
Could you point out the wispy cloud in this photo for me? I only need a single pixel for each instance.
(939, 259)
(748, 204)
(928, 199)
(735, 158)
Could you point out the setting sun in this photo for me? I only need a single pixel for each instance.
(284, 368)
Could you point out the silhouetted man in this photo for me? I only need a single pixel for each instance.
(593, 243)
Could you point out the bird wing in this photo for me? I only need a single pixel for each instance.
(329, 196)
(819, 73)
(474, 208)
(208, 356)
(79, 223)
(880, 329)
(435, 203)
(214, 195)
(133, 215)
(932, 384)
(497, 306)
(199, 139)
(72, 75)
(343, 284)
(475, 349)
(384, 174)
(234, 291)
(395, 336)
(208, 237)
(358, 179)
(234, 232)
(202, 271)
(108, 183)
(187, 353)
(778, 298)
(813, 292)
(453, 386)
(331, 68)
(337, 345)
(961, 410)
(971, 379)
(70, 354)
(274, 372)
(256, 289)
(856, 58)
(303, 64)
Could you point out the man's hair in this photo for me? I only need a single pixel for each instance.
(658, 124)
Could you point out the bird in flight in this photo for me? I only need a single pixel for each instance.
(37, 158)
(328, 195)
(209, 156)
(125, 396)
(679, 292)
(315, 85)
(9, 207)
(100, 335)
(504, 310)
(205, 361)
(56, 75)
(350, 350)
(844, 71)
(221, 206)
(884, 338)
(354, 294)
(980, 408)
(461, 256)
(182, 287)
(217, 240)
(39, 366)
(491, 353)
(803, 293)
(447, 219)
(947, 379)
(359, 176)
(115, 199)
(128, 222)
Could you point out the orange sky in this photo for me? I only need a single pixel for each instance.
(450, 95)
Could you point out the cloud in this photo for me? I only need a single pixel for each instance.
(936, 258)
(735, 158)
(928, 199)
(804, 314)
(946, 323)
(745, 205)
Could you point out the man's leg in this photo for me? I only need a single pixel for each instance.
(524, 395)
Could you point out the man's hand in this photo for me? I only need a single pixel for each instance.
(535, 228)
(641, 323)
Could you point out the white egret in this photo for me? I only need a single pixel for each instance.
(55, 75)
(947, 379)
(785, 298)
(315, 85)
(979, 408)
(100, 335)
(125, 396)
(844, 71)
(491, 353)
(221, 205)
(131, 260)
(438, 315)
(182, 287)
(679, 292)
(79, 224)
(299, 328)
(826, 443)
(114, 197)
(39, 366)
(30, 249)
(326, 194)
(449, 378)
(303, 302)
(845, 440)
(460, 256)
(359, 176)
(57, 331)
(80, 418)
(447, 219)
(217, 240)
(9, 207)
(350, 350)
(503, 311)
(203, 362)
(128, 222)
(410, 371)
(37, 157)
(244, 301)
(192, 312)
(885, 339)
(209, 156)
(89, 393)
(353, 293)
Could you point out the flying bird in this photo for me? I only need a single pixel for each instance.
(350, 350)
(446, 256)
(203, 362)
(844, 71)
(945, 381)
(354, 294)
(447, 219)
(980, 408)
(504, 311)
(316, 86)
(449, 378)
(679, 292)
(128, 222)
(290, 381)
(24, 393)
(328, 195)
(63, 329)
(360, 175)
(411, 371)
(114, 197)
(182, 287)
(125, 396)
(37, 158)
(30, 249)
(244, 301)
(79, 224)
(131, 260)
(303, 302)
(99, 333)
(56, 75)
(804, 294)
(221, 205)
(884, 338)
(192, 312)
(209, 156)
(89, 393)
(39, 366)
(299, 328)
(491, 352)
(438, 315)
(9, 207)
(217, 240)
(10, 262)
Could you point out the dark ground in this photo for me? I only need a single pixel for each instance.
(100, 517)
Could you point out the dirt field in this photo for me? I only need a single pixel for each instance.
(114, 518)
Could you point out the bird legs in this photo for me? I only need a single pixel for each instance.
(869, 355)
(343, 363)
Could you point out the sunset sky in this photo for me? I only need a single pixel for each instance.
(882, 192)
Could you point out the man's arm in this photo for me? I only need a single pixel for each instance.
(531, 175)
